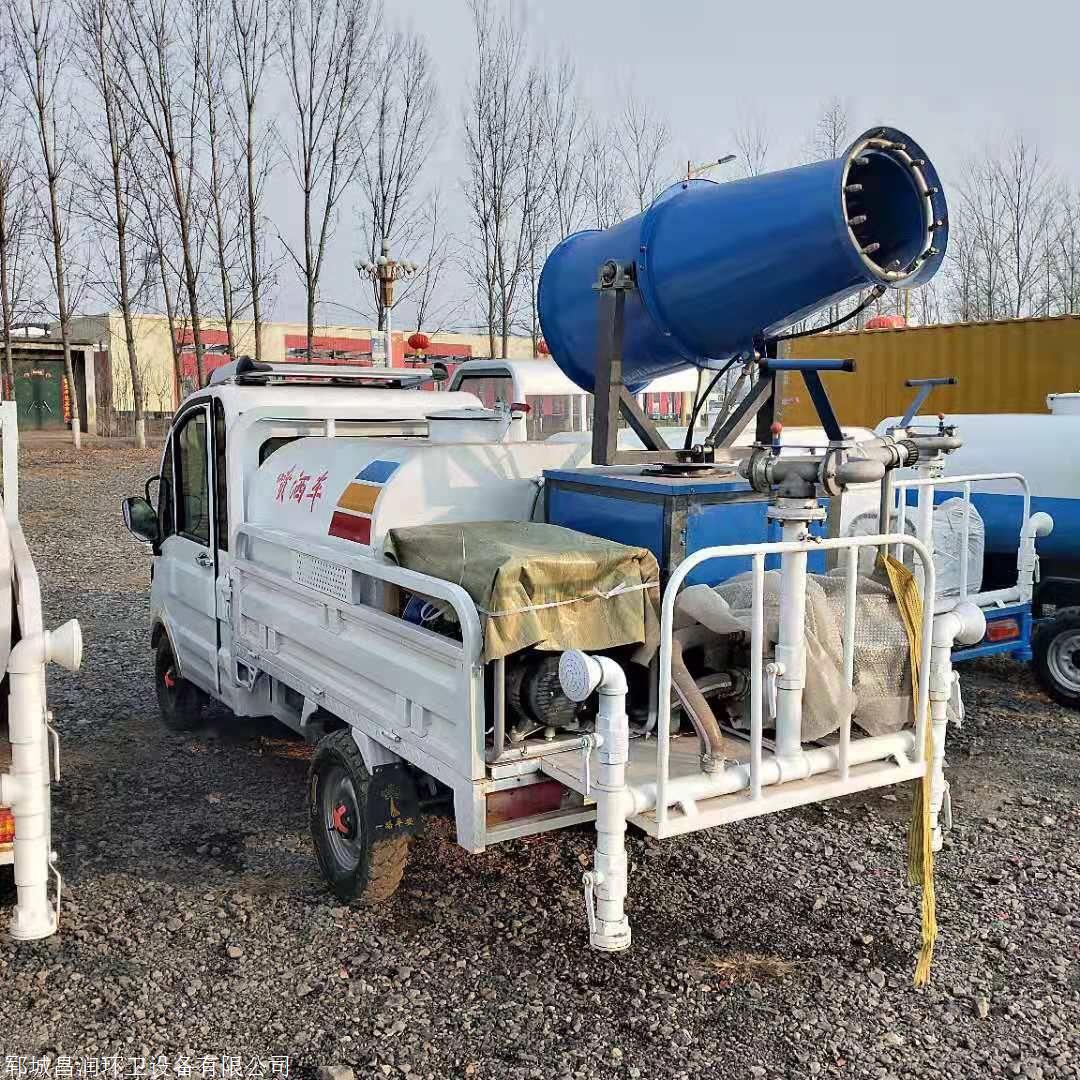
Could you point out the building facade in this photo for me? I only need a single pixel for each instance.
(164, 385)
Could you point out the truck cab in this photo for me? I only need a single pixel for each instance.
(219, 437)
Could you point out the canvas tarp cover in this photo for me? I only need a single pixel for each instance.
(540, 585)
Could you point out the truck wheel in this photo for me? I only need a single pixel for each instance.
(1056, 645)
(180, 702)
(355, 867)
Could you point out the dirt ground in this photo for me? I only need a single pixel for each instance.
(196, 927)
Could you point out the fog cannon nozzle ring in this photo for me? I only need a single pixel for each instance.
(891, 207)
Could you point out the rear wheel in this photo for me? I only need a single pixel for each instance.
(181, 703)
(1056, 645)
(355, 866)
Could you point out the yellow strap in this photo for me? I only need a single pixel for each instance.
(920, 849)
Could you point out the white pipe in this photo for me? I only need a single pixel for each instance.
(605, 885)
(791, 646)
(965, 625)
(23, 788)
(818, 759)
(1027, 560)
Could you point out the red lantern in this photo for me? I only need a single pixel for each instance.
(419, 342)
(542, 348)
(886, 322)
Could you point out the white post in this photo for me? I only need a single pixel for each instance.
(791, 646)
(605, 884)
(389, 339)
(965, 624)
(24, 787)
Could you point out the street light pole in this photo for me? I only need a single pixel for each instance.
(386, 272)
(693, 170)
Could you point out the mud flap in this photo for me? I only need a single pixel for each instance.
(393, 807)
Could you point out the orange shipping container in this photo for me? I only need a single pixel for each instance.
(1002, 367)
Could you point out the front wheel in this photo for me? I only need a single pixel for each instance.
(1056, 648)
(356, 866)
(181, 703)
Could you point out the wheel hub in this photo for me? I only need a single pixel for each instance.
(1063, 659)
(341, 821)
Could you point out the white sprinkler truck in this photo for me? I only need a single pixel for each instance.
(29, 746)
(546, 632)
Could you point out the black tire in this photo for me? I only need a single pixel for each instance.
(355, 868)
(1056, 648)
(181, 703)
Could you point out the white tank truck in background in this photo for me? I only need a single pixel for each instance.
(452, 611)
(29, 746)
(1021, 474)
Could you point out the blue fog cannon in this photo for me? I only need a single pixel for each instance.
(709, 277)
(712, 272)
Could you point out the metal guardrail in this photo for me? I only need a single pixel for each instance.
(925, 487)
(758, 554)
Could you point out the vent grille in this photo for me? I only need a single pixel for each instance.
(321, 575)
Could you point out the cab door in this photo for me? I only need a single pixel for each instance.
(188, 555)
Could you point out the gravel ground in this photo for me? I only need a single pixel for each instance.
(195, 922)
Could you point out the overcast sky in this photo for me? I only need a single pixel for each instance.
(955, 75)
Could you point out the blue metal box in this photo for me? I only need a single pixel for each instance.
(672, 516)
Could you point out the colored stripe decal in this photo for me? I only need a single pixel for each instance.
(377, 472)
(351, 527)
(359, 497)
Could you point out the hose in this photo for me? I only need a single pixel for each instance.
(875, 294)
(701, 399)
(701, 714)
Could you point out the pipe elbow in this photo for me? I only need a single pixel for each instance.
(1039, 524)
(62, 646)
(581, 674)
(964, 625)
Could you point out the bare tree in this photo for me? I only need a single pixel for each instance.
(504, 178)
(640, 140)
(159, 61)
(95, 21)
(831, 133)
(1024, 188)
(564, 135)
(432, 308)
(42, 50)
(1065, 259)
(15, 209)
(325, 53)
(602, 177)
(222, 189)
(751, 138)
(155, 227)
(402, 131)
(253, 42)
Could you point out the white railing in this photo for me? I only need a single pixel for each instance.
(819, 760)
(925, 487)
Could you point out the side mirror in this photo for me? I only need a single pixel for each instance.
(141, 518)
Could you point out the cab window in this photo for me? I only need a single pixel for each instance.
(192, 494)
(221, 499)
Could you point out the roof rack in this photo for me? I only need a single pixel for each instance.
(245, 372)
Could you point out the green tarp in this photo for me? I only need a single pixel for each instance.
(540, 585)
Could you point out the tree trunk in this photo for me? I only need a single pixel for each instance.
(253, 235)
(5, 302)
(170, 315)
(189, 270)
(65, 315)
